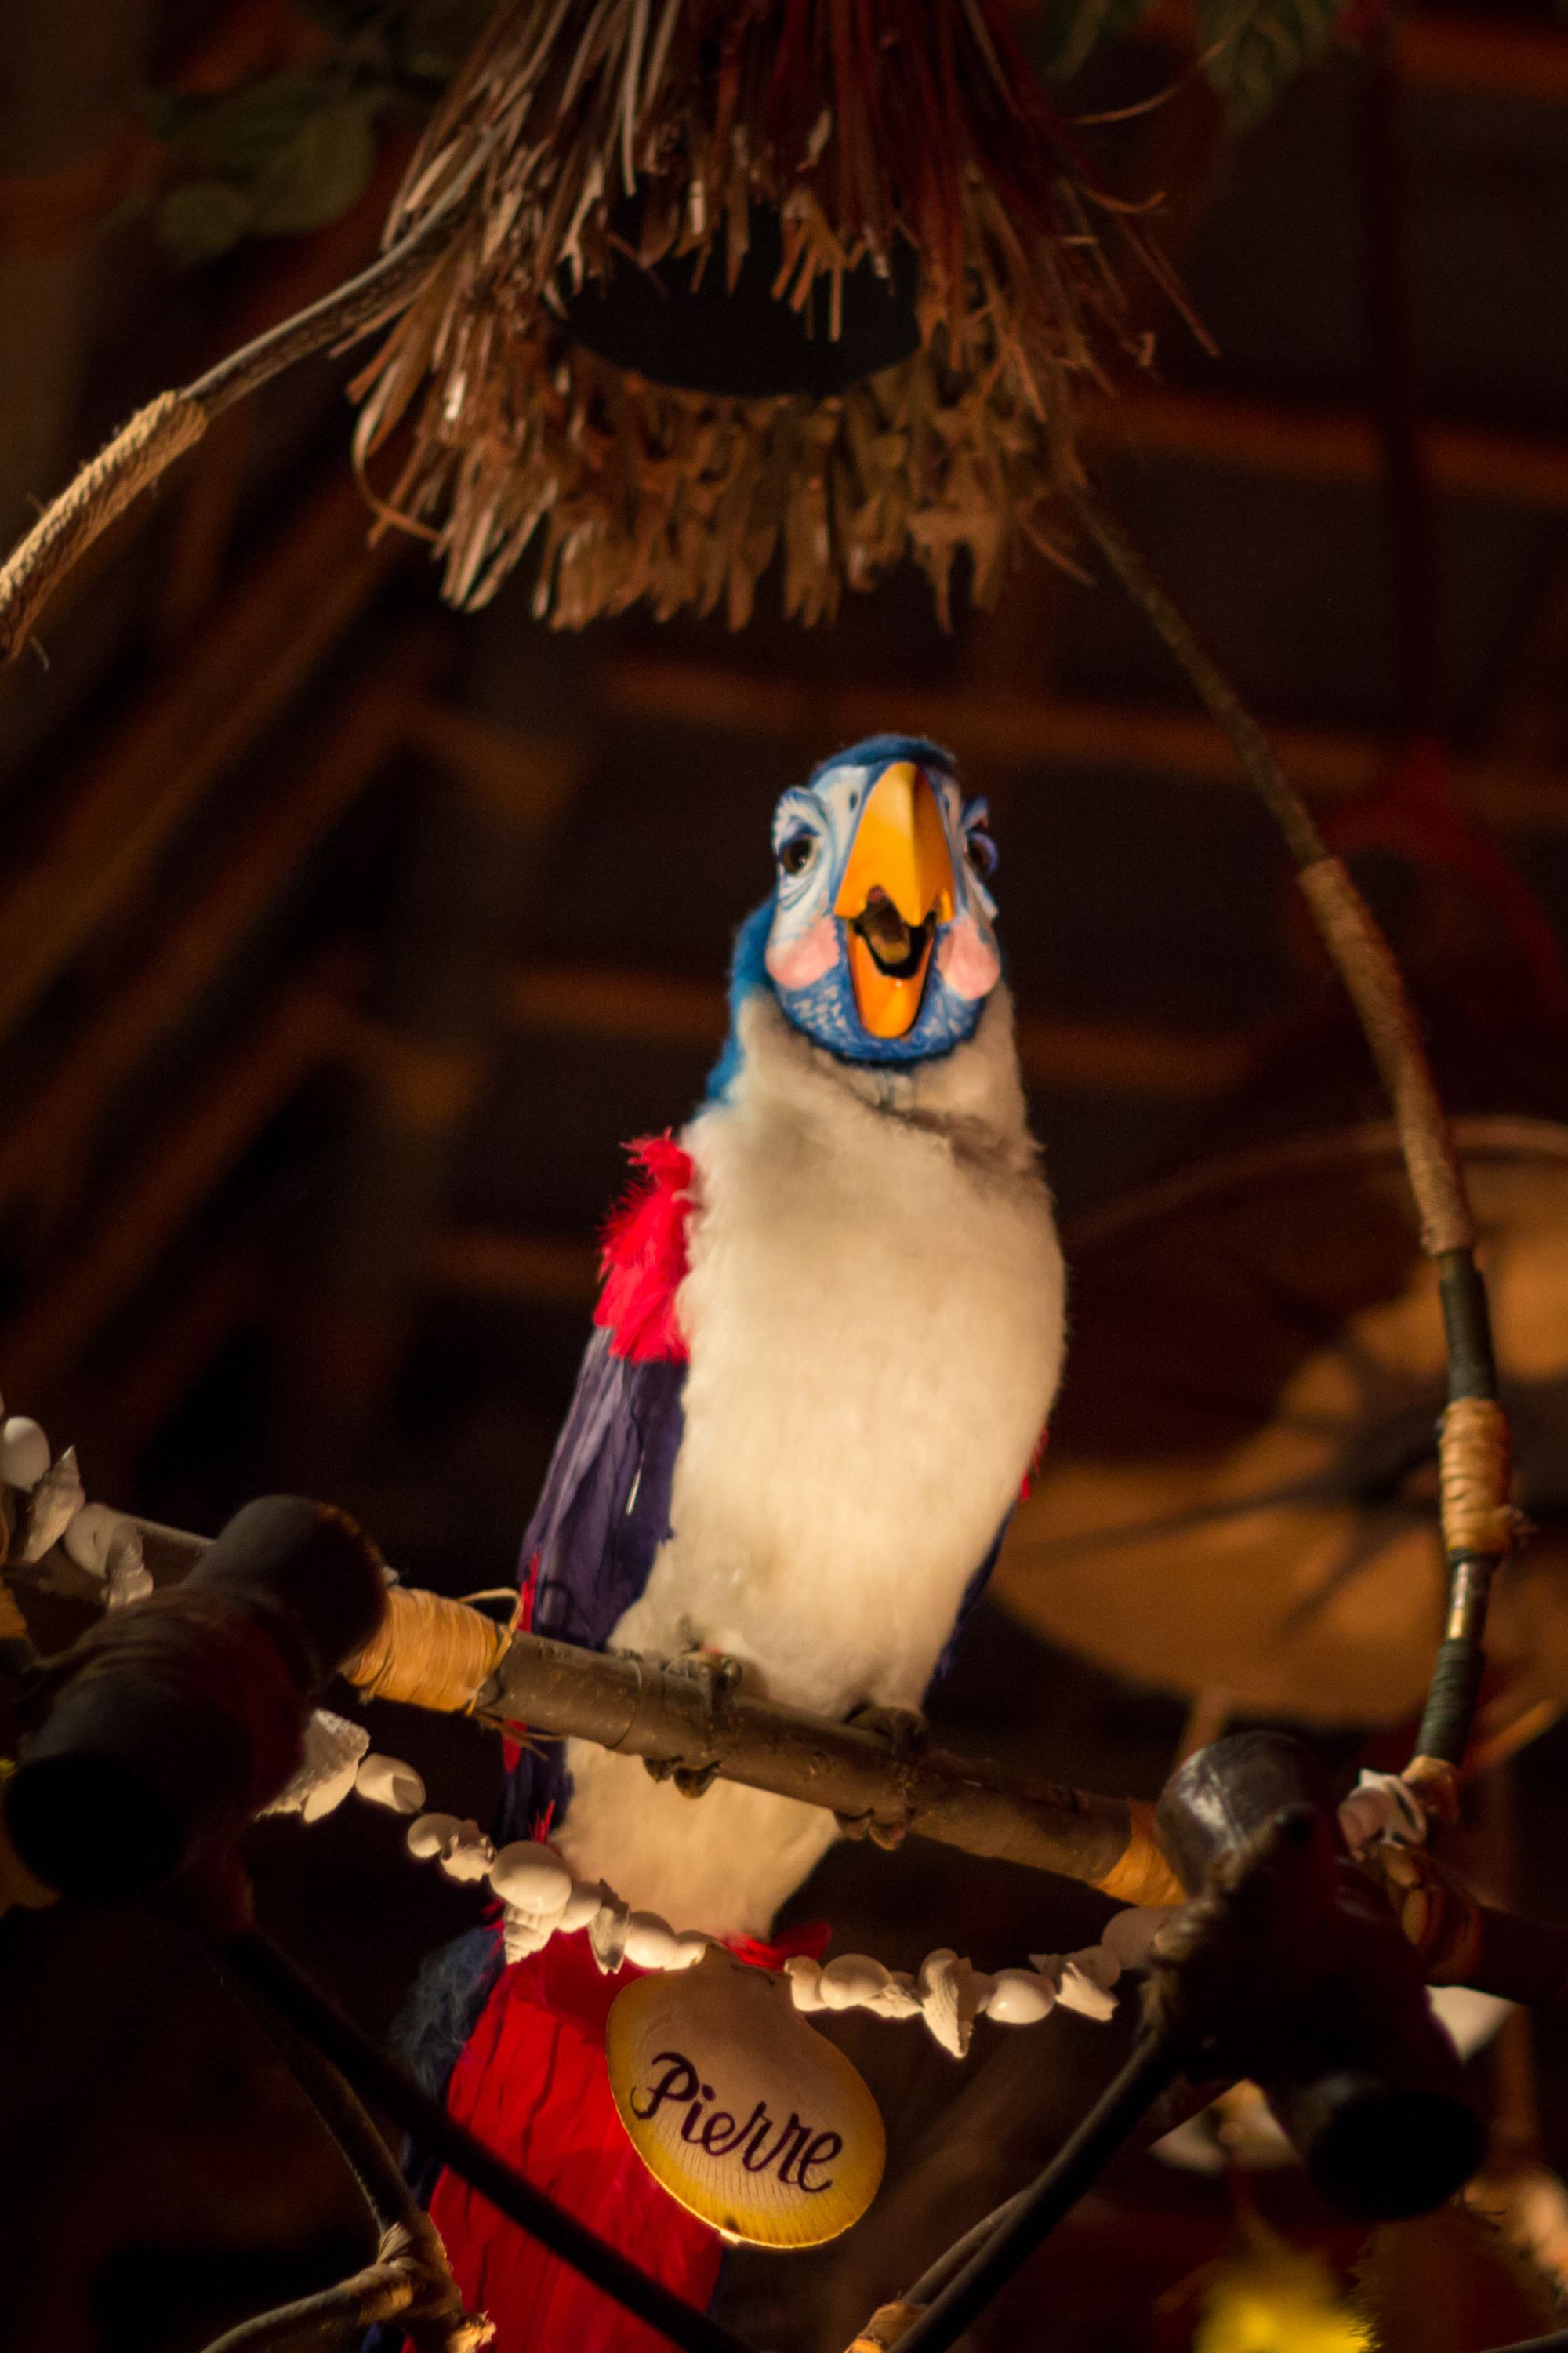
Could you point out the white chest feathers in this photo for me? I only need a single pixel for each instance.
(874, 1313)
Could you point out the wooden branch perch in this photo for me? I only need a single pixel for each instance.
(638, 1706)
(433, 1652)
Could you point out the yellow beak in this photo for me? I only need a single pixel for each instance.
(896, 887)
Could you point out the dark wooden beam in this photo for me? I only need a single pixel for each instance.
(1101, 1058)
(1042, 730)
(266, 638)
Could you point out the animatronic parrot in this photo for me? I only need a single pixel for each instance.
(829, 1334)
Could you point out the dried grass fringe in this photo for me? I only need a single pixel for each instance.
(862, 120)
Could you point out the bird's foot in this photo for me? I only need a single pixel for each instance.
(717, 1677)
(906, 1732)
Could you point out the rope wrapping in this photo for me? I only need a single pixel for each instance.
(138, 454)
(1474, 1463)
(886, 2325)
(1141, 1875)
(430, 1652)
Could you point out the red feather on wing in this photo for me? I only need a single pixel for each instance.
(643, 1255)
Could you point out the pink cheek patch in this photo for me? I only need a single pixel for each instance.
(795, 964)
(968, 961)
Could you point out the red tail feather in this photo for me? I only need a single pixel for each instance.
(533, 2085)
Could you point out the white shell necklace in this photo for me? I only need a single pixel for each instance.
(541, 1899)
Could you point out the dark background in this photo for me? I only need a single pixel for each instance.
(344, 941)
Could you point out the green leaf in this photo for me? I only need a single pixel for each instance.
(1260, 45)
(245, 129)
(203, 218)
(1067, 30)
(322, 170)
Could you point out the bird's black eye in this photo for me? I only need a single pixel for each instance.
(796, 854)
(981, 854)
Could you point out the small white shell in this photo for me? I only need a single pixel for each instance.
(388, 1781)
(129, 1578)
(531, 1876)
(1099, 1964)
(1129, 1934)
(129, 1581)
(327, 1794)
(852, 1979)
(805, 1976)
(87, 1539)
(469, 1855)
(24, 1451)
(1019, 1998)
(1075, 1990)
(1382, 1806)
(331, 1749)
(1361, 1817)
(607, 1933)
(54, 1502)
(690, 1946)
(432, 1835)
(898, 1998)
(951, 1991)
(651, 1942)
(523, 1933)
(586, 1898)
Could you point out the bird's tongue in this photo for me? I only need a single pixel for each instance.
(897, 949)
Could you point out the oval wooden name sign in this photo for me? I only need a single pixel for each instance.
(739, 2109)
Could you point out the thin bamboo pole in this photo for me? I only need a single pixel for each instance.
(1473, 1435)
(1236, 435)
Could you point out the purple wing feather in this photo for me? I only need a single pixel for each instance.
(590, 1545)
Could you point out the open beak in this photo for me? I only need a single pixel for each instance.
(898, 887)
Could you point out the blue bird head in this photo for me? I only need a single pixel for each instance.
(878, 941)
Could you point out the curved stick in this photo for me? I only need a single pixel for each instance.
(1473, 1449)
(249, 1956)
(175, 421)
(334, 2317)
(1009, 2235)
(410, 2275)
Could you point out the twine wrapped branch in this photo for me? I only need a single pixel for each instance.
(144, 449)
